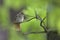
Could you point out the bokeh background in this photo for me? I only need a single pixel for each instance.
(48, 8)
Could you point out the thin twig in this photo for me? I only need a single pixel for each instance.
(34, 32)
(29, 19)
(44, 25)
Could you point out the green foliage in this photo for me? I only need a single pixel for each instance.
(41, 7)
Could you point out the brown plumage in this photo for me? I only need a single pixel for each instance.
(17, 26)
(19, 19)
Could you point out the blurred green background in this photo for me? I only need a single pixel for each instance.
(41, 7)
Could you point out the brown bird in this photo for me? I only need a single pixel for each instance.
(19, 19)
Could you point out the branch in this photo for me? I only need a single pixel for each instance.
(34, 32)
(41, 24)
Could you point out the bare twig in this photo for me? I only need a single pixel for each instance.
(41, 24)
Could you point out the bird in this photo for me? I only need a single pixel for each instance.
(18, 20)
